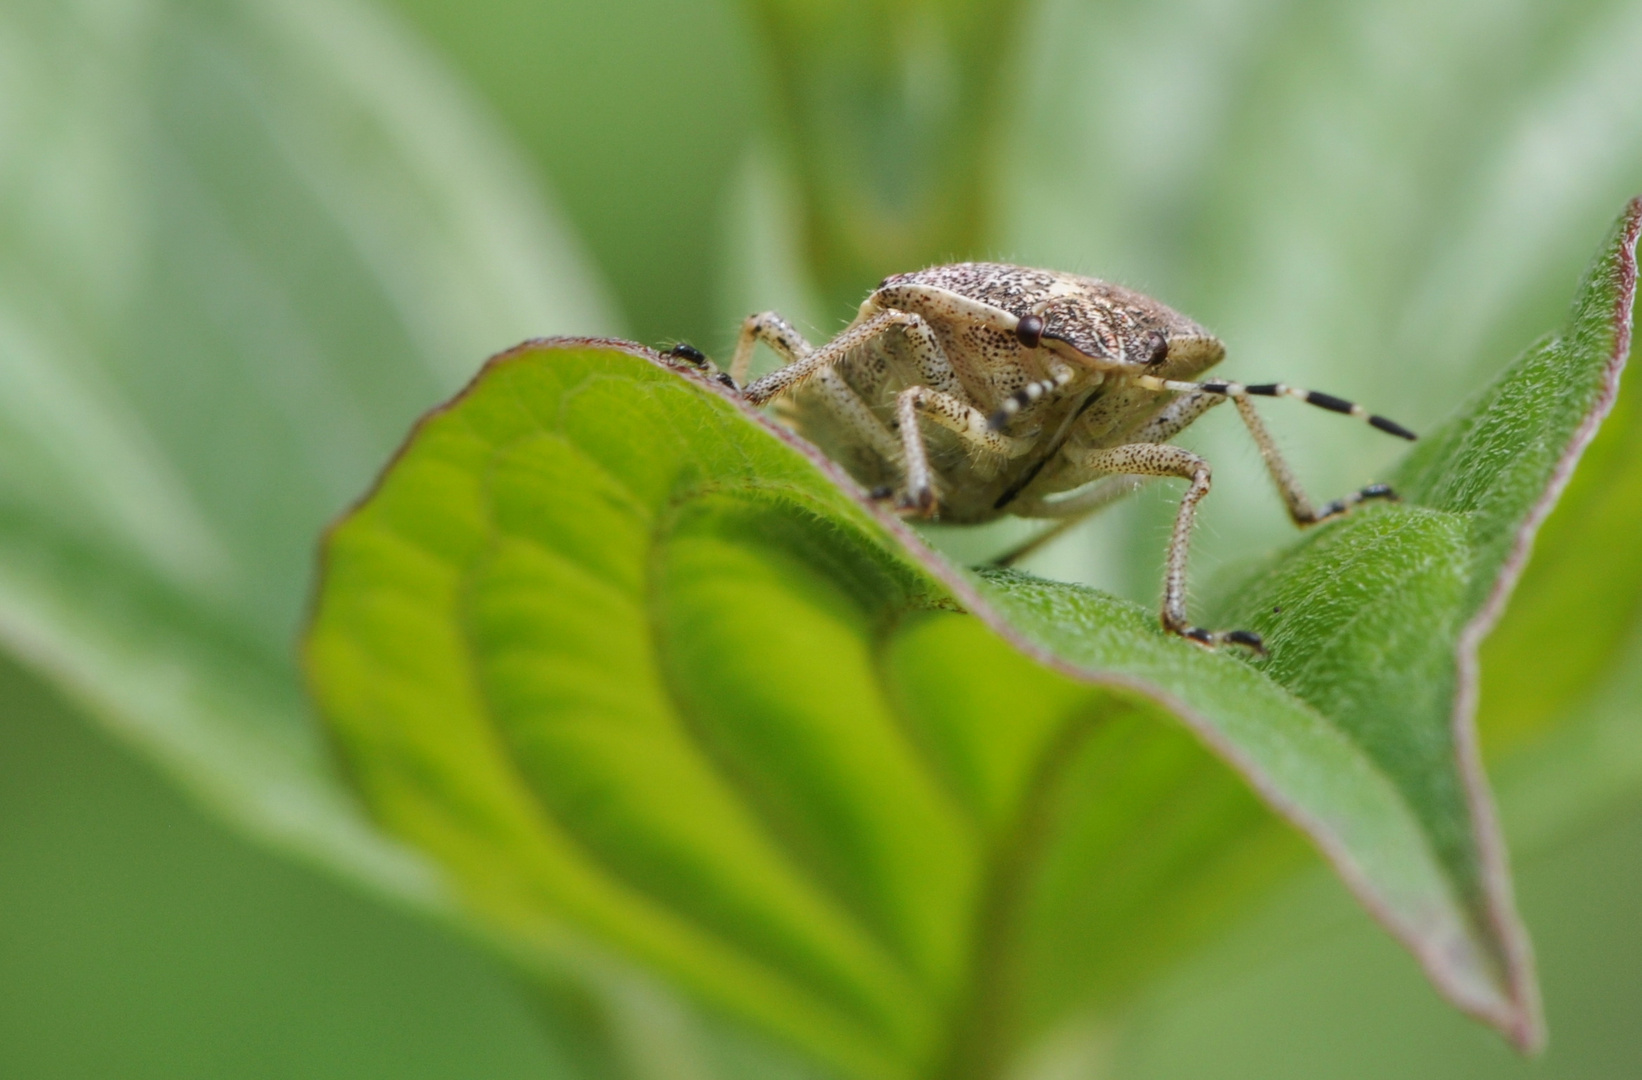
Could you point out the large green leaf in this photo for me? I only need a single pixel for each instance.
(667, 696)
(242, 244)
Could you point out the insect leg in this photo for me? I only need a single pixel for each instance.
(774, 331)
(1288, 485)
(854, 414)
(805, 365)
(1091, 498)
(1153, 459)
(963, 420)
(919, 493)
(958, 417)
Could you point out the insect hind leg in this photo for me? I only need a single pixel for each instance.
(1300, 507)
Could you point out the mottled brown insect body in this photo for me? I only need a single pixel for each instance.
(975, 390)
(1098, 406)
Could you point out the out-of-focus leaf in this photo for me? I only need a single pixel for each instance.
(890, 110)
(1386, 200)
(638, 111)
(665, 694)
(242, 242)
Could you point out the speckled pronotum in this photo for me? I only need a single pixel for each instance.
(970, 391)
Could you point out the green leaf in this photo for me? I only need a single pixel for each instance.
(1582, 589)
(667, 696)
(242, 244)
(890, 110)
(1372, 591)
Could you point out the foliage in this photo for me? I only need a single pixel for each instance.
(201, 367)
(890, 112)
(638, 670)
(243, 242)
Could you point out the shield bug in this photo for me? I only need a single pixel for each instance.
(974, 390)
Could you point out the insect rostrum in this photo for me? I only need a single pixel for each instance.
(975, 390)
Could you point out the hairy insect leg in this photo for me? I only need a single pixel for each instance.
(849, 410)
(1083, 503)
(962, 419)
(932, 362)
(938, 303)
(935, 396)
(1152, 459)
(1288, 485)
(958, 417)
(773, 330)
(1180, 414)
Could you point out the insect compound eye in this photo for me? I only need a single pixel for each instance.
(1029, 331)
(1157, 348)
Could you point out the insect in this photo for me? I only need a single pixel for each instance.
(970, 391)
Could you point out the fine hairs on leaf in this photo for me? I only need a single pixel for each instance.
(670, 699)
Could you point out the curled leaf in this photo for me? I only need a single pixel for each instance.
(668, 697)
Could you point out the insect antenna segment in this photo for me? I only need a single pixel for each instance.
(1025, 396)
(1310, 397)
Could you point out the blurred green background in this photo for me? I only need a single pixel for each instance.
(204, 202)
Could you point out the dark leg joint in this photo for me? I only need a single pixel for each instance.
(1013, 404)
(688, 353)
(920, 502)
(1248, 639)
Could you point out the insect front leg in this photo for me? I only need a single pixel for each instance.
(958, 417)
(1151, 459)
(780, 335)
(850, 411)
(937, 393)
(804, 364)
